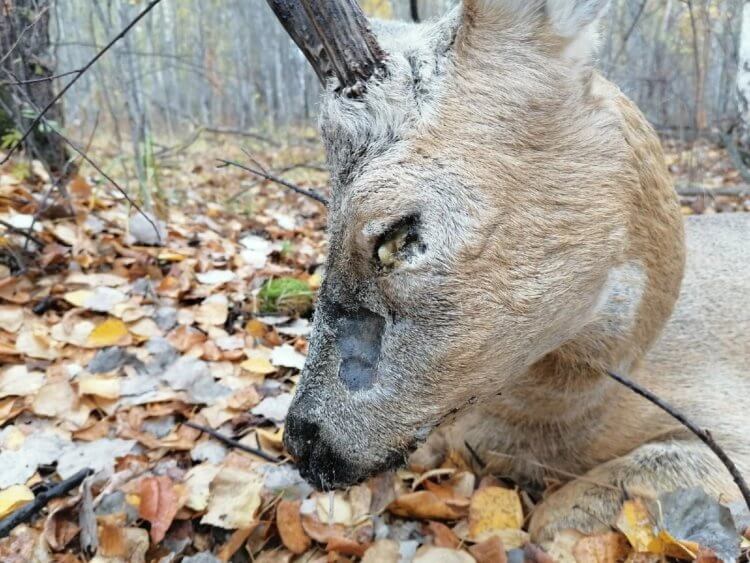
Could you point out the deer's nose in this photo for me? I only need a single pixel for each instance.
(300, 437)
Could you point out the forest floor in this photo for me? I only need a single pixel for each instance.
(113, 352)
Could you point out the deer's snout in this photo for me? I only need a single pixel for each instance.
(318, 461)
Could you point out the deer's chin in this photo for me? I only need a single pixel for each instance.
(326, 469)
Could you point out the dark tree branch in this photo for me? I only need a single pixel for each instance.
(271, 178)
(414, 8)
(27, 512)
(336, 38)
(27, 235)
(702, 434)
(38, 119)
(231, 442)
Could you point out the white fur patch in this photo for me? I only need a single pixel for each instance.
(618, 303)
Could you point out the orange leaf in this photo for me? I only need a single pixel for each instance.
(159, 504)
(425, 505)
(443, 536)
(611, 546)
(489, 551)
(289, 523)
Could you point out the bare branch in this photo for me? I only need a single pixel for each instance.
(43, 79)
(39, 16)
(232, 443)
(27, 235)
(38, 119)
(27, 512)
(271, 178)
(703, 435)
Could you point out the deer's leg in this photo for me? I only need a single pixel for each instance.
(592, 502)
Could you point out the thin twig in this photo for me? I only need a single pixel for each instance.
(43, 78)
(27, 512)
(27, 235)
(702, 434)
(80, 73)
(231, 442)
(271, 178)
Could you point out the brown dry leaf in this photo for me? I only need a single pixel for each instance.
(11, 318)
(112, 332)
(235, 543)
(442, 535)
(603, 548)
(159, 503)
(321, 532)
(55, 399)
(111, 540)
(494, 508)
(346, 546)
(289, 523)
(425, 505)
(489, 551)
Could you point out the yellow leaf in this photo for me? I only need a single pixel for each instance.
(666, 544)
(109, 333)
(494, 508)
(13, 498)
(258, 365)
(635, 522)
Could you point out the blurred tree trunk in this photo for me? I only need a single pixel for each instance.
(24, 51)
(743, 78)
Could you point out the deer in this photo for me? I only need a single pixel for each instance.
(502, 231)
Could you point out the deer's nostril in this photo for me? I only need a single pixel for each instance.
(300, 437)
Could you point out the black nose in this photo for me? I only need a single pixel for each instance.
(300, 437)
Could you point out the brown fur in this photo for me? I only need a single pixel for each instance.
(551, 249)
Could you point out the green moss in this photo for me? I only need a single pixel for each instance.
(285, 295)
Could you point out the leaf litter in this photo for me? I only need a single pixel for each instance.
(119, 335)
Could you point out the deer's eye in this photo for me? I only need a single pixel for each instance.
(399, 244)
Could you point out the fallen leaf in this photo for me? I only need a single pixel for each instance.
(289, 523)
(234, 499)
(431, 554)
(19, 381)
(213, 311)
(197, 483)
(494, 508)
(288, 357)
(258, 365)
(11, 318)
(14, 498)
(442, 535)
(611, 546)
(100, 386)
(159, 504)
(382, 551)
(109, 333)
(489, 551)
(274, 408)
(425, 505)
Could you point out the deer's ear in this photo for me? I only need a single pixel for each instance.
(574, 22)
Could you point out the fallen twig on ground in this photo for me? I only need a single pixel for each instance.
(702, 434)
(233, 443)
(271, 178)
(27, 512)
(27, 235)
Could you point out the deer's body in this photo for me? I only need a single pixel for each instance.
(503, 230)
